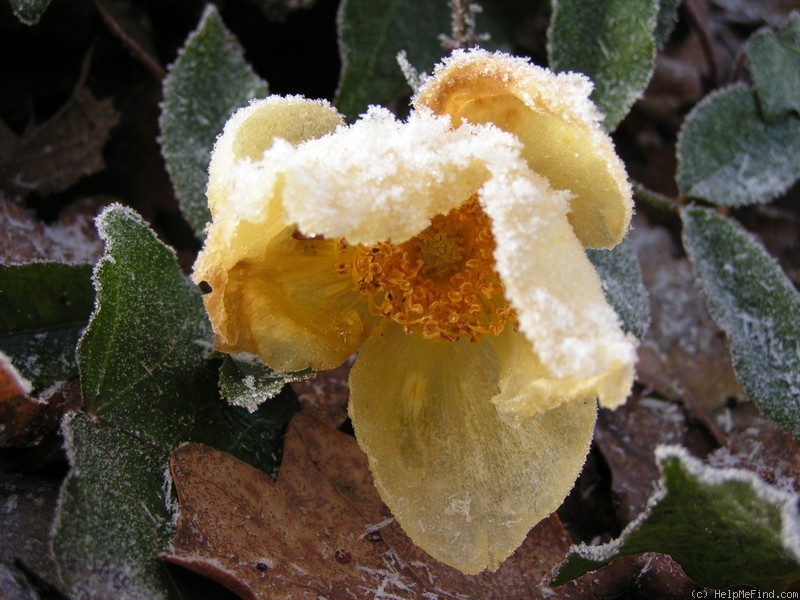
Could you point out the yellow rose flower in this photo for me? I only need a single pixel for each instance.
(448, 252)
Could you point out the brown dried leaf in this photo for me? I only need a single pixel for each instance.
(73, 239)
(321, 530)
(627, 437)
(325, 395)
(56, 154)
(12, 384)
(28, 503)
(683, 344)
(26, 420)
(644, 576)
(756, 443)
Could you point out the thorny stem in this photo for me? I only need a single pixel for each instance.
(462, 32)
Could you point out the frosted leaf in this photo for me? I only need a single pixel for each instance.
(209, 80)
(755, 303)
(247, 382)
(370, 38)
(725, 527)
(610, 41)
(147, 387)
(729, 156)
(774, 59)
(619, 271)
(29, 11)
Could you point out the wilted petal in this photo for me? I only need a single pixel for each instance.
(528, 387)
(557, 295)
(247, 134)
(555, 121)
(271, 294)
(465, 484)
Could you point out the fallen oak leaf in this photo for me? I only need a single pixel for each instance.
(321, 530)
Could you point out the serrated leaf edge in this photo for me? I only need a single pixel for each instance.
(787, 501)
(709, 98)
(634, 98)
(713, 309)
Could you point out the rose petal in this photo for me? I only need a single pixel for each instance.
(557, 124)
(272, 295)
(381, 179)
(555, 290)
(291, 307)
(464, 484)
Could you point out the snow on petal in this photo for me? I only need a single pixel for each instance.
(552, 285)
(557, 123)
(379, 179)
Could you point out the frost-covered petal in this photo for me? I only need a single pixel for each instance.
(557, 124)
(271, 294)
(555, 291)
(247, 134)
(463, 482)
(381, 179)
(528, 387)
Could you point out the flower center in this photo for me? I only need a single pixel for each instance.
(441, 283)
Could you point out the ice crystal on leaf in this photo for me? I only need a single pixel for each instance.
(448, 250)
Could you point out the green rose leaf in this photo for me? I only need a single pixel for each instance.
(619, 271)
(29, 11)
(729, 156)
(247, 382)
(148, 386)
(756, 305)
(206, 84)
(45, 308)
(610, 41)
(725, 527)
(665, 21)
(775, 65)
(370, 36)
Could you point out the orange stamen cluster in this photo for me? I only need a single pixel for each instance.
(441, 283)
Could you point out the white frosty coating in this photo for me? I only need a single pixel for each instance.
(414, 78)
(552, 285)
(377, 179)
(222, 168)
(564, 93)
(788, 501)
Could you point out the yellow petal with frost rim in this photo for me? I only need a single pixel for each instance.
(271, 294)
(464, 484)
(528, 387)
(556, 293)
(247, 135)
(557, 124)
